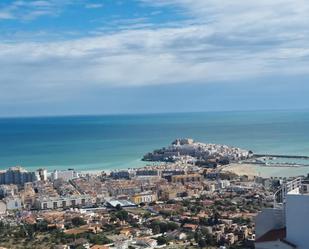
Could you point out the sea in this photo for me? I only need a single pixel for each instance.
(108, 142)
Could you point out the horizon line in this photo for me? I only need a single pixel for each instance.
(147, 113)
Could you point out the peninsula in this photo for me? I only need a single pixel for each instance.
(189, 151)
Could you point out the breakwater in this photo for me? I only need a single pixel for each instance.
(280, 156)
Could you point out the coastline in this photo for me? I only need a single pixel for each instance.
(265, 171)
(241, 169)
(117, 142)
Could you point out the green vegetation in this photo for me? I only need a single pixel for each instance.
(163, 227)
(38, 236)
(162, 240)
(78, 221)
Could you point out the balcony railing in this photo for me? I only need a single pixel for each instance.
(280, 194)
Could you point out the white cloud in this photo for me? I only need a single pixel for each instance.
(32, 9)
(5, 15)
(225, 41)
(94, 5)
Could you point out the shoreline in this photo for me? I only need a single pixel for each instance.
(255, 170)
(240, 169)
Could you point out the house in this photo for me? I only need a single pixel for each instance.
(146, 242)
(190, 227)
(120, 203)
(84, 229)
(145, 197)
(99, 247)
(13, 203)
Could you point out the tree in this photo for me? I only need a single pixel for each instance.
(186, 203)
(202, 243)
(146, 215)
(162, 240)
(80, 247)
(99, 239)
(163, 227)
(41, 226)
(216, 218)
(197, 236)
(204, 221)
(122, 215)
(156, 229)
(78, 221)
(171, 226)
(29, 230)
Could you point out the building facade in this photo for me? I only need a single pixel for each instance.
(65, 175)
(17, 175)
(64, 202)
(145, 197)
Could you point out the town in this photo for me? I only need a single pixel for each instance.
(179, 204)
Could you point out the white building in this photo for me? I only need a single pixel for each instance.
(297, 219)
(13, 203)
(269, 219)
(16, 175)
(223, 184)
(41, 174)
(64, 202)
(65, 175)
(286, 226)
(2, 207)
(146, 242)
(8, 190)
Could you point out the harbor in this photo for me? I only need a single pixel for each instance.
(273, 160)
(280, 156)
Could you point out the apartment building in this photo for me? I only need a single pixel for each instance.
(43, 203)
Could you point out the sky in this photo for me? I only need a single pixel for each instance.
(68, 57)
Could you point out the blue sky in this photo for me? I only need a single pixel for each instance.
(106, 56)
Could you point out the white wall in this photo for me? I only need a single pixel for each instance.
(13, 204)
(66, 175)
(297, 220)
(267, 220)
(2, 207)
(68, 200)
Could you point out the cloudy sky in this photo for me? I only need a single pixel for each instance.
(143, 56)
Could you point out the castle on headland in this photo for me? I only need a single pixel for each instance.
(196, 152)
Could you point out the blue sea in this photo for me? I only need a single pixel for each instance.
(119, 141)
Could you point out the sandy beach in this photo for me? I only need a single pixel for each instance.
(241, 169)
(265, 171)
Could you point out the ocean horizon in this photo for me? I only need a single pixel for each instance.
(107, 142)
